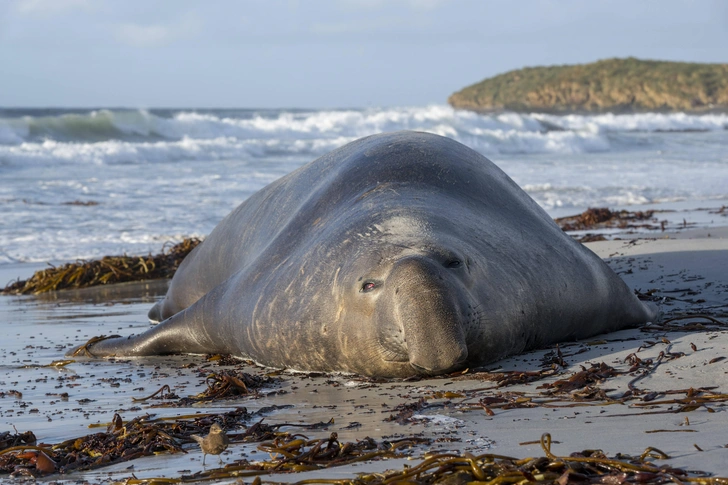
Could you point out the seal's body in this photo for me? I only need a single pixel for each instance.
(395, 255)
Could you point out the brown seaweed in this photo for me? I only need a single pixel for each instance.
(104, 271)
(122, 441)
(297, 454)
(600, 218)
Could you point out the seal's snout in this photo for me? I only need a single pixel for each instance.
(428, 309)
(434, 364)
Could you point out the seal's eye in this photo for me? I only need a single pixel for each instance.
(453, 264)
(368, 286)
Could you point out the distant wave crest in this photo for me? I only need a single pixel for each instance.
(148, 136)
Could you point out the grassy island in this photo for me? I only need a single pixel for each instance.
(612, 85)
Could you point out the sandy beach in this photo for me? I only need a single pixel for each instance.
(638, 395)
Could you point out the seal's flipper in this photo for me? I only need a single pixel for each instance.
(155, 313)
(651, 312)
(182, 333)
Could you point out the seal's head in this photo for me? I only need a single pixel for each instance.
(421, 307)
(410, 307)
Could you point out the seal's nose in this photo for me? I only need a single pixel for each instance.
(428, 308)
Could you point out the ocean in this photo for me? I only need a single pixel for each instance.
(79, 184)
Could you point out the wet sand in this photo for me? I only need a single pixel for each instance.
(688, 272)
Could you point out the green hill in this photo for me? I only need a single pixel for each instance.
(611, 85)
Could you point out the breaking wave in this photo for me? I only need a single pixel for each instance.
(153, 136)
(85, 183)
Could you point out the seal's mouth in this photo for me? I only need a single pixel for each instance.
(459, 364)
(429, 361)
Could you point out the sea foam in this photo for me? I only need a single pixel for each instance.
(84, 183)
(106, 136)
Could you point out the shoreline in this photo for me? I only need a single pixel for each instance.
(672, 220)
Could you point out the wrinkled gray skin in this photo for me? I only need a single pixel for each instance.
(398, 254)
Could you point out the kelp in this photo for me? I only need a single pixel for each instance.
(589, 466)
(122, 441)
(84, 351)
(222, 384)
(104, 271)
(405, 412)
(296, 454)
(144, 436)
(232, 383)
(711, 324)
(292, 452)
(581, 388)
(10, 440)
(601, 218)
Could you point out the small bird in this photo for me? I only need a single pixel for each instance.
(214, 443)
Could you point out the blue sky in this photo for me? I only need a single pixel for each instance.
(319, 53)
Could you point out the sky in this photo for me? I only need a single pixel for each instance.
(322, 53)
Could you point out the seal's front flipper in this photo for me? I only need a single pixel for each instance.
(182, 333)
(653, 311)
(155, 313)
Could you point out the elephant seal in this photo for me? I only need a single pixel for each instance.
(398, 254)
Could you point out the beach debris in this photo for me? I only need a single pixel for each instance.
(581, 380)
(146, 435)
(297, 454)
(602, 218)
(669, 325)
(233, 383)
(585, 388)
(222, 384)
(214, 443)
(164, 392)
(104, 271)
(11, 393)
(122, 441)
(84, 203)
(405, 412)
(84, 351)
(562, 386)
(599, 219)
(509, 377)
(56, 364)
(10, 440)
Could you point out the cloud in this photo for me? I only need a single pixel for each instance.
(380, 4)
(426, 4)
(143, 35)
(50, 7)
(379, 17)
(154, 35)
